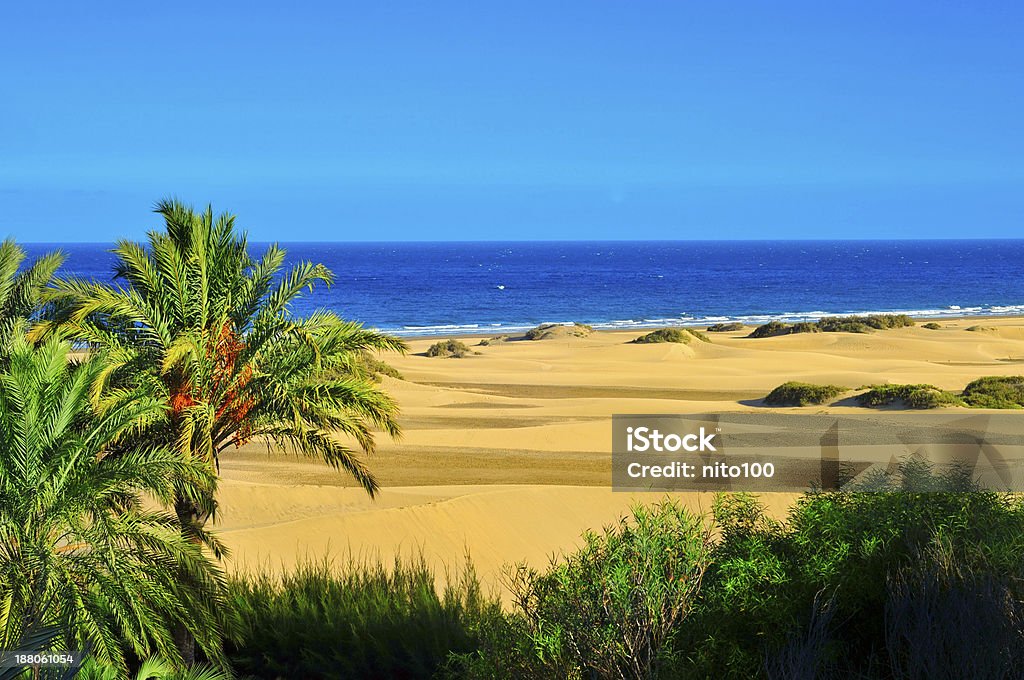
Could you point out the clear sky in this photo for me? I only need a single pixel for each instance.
(516, 120)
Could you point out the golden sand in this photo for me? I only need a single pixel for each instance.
(506, 454)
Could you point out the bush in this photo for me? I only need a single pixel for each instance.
(932, 326)
(996, 392)
(665, 335)
(835, 324)
(771, 329)
(497, 339)
(554, 330)
(912, 396)
(802, 394)
(361, 622)
(822, 590)
(682, 335)
(609, 610)
(725, 327)
(977, 329)
(365, 364)
(454, 349)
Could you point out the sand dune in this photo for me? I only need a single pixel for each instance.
(506, 453)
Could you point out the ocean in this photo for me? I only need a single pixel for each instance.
(450, 288)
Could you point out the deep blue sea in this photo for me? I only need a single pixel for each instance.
(440, 288)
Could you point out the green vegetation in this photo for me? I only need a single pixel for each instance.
(365, 365)
(802, 394)
(681, 335)
(834, 324)
(610, 610)
(547, 331)
(359, 621)
(207, 329)
(770, 329)
(496, 340)
(978, 329)
(725, 327)
(932, 326)
(996, 392)
(449, 349)
(22, 290)
(905, 580)
(912, 396)
(80, 554)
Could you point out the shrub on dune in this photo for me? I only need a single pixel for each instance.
(834, 324)
(770, 330)
(725, 327)
(449, 349)
(920, 396)
(996, 392)
(496, 340)
(802, 394)
(932, 326)
(680, 335)
(548, 331)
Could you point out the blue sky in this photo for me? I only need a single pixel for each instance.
(520, 120)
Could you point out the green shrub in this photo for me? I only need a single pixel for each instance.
(840, 554)
(771, 329)
(454, 349)
(804, 327)
(365, 364)
(554, 330)
(700, 335)
(725, 327)
(609, 610)
(665, 335)
(912, 396)
(802, 394)
(932, 326)
(843, 324)
(977, 329)
(835, 324)
(996, 392)
(364, 621)
(681, 335)
(497, 339)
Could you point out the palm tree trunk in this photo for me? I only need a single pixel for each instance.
(188, 514)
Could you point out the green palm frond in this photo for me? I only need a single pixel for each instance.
(79, 550)
(209, 330)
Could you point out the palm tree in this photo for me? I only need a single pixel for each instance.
(84, 559)
(21, 289)
(210, 330)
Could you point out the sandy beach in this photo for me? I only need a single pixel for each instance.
(506, 453)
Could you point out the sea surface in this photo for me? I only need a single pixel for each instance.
(448, 288)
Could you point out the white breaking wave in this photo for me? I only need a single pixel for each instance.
(684, 320)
